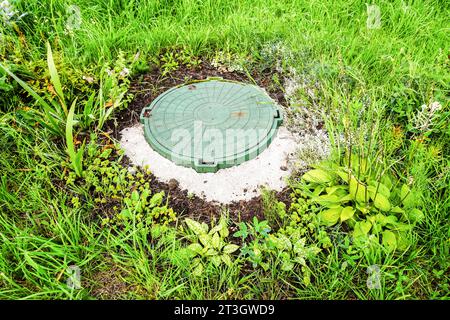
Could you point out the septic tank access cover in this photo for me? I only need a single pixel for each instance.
(212, 124)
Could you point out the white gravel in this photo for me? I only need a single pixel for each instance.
(242, 182)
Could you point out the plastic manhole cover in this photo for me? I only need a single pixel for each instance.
(212, 124)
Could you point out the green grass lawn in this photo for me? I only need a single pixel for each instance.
(371, 221)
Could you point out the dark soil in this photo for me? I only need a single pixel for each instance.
(201, 210)
(146, 88)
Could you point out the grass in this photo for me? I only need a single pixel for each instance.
(363, 82)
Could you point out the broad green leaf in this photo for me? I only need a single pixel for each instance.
(264, 265)
(283, 242)
(5, 86)
(404, 191)
(381, 202)
(402, 241)
(359, 164)
(195, 226)
(230, 248)
(330, 217)
(375, 187)
(327, 199)
(301, 260)
(372, 189)
(226, 259)
(345, 198)
(79, 157)
(221, 227)
(363, 208)
(287, 265)
(384, 220)
(195, 248)
(205, 240)
(135, 195)
(216, 260)
(198, 270)
(389, 240)
(376, 228)
(242, 232)
(415, 215)
(317, 176)
(69, 132)
(215, 241)
(339, 190)
(361, 235)
(357, 190)
(363, 166)
(343, 175)
(157, 199)
(362, 228)
(384, 190)
(397, 209)
(299, 246)
(399, 226)
(347, 213)
(387, 181)
(391, 220)
(215, 229)
(408, 197)
(145, 193)
(318, 190)
(211, 252)
(125, 214)
(331, 190)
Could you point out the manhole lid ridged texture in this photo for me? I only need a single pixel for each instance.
(212, 124)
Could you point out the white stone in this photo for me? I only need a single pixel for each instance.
(241, 182)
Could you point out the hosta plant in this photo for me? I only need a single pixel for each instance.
(370, 201)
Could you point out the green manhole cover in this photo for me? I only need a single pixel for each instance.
(210, 125)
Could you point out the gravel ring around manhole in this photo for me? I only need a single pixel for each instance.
(147, 87)
(242, 182)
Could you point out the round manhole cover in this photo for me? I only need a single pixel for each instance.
(210, 125)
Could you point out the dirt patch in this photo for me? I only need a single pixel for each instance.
(109, 284)
(197, 208)
(147, 87)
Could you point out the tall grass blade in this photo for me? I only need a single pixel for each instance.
(55, 78)
(51, 114)
(76, 158)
